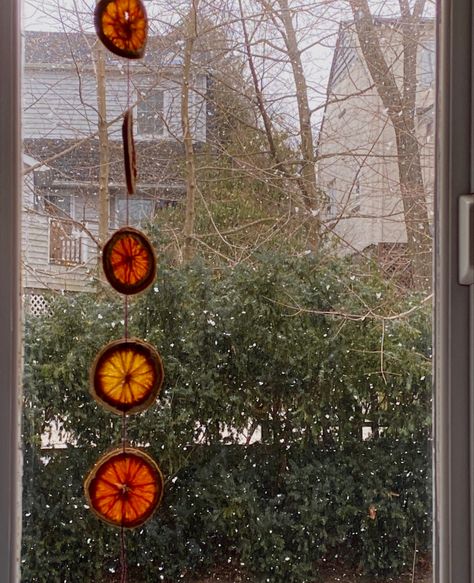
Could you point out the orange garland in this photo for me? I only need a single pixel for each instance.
(129, 154)
(125, 486)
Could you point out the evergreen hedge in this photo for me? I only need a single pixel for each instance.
(255, 346)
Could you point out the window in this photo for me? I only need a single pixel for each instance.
(331, 194)
(140, 210)
(150, 112)
(454, 305)
(427, 63)
(59, 205)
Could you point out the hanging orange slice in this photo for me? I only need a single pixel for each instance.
(127, 376)
(129, 154)
(122, 25)
(129, 261)
(124, 487)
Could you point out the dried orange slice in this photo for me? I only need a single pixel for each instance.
(129, 154)
(126, 376)
(129, 261)
(124, 487)
(122, 25)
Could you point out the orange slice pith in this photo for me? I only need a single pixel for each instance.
(129, 261)
(124, 487)
(126, 376)
(122, 25)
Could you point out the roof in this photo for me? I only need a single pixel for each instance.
(61, 48)
(348, 52)
(393, 21)
(159, 163)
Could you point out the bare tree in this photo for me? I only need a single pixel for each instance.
(104, 198)
(188, 228)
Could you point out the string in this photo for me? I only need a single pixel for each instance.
(123, 556)
(123, 547)
(131, 121)
(125, 317)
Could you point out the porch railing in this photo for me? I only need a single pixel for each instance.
(65, 247)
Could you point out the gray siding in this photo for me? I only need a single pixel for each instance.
(62, 103)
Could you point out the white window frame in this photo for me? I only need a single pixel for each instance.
(454, 321)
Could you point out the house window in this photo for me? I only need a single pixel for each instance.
(427, 63)
(150, 112)
(355, 203)
(58, 205)
(331, 201)
(140, 210)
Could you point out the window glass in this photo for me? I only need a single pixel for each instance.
(284, 158)
(140, 210)
(427, 62)
(57, 204)
(150, 111)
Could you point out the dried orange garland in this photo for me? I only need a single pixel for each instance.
(125, 487)
(127, 376)
(122, 25)
(129, 261)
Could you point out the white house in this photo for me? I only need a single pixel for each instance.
(357, 155)
(60, 131)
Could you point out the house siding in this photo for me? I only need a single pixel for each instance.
(357, 149)
(62, 103)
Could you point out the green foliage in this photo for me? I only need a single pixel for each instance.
(253, 348)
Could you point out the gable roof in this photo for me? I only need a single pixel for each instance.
(71, 48)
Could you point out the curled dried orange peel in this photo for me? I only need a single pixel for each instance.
(122, 25)
(129, 153)
(127, 376)
(129, 261)
(124, 487)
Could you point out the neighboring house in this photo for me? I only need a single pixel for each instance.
(357, 157)
(60, 219)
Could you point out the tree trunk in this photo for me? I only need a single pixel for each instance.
(308, 170)
(103, 144)
(191, 186)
